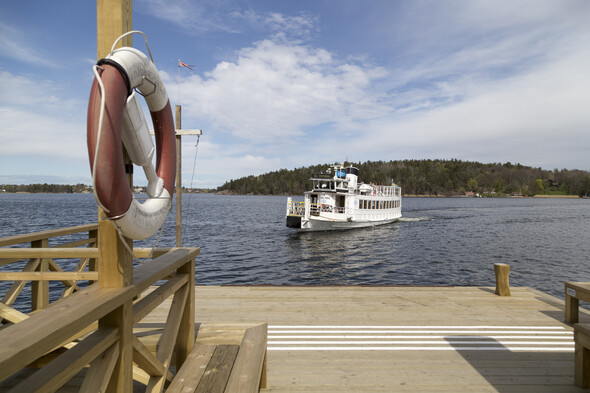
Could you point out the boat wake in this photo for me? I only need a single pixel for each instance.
(413, 219)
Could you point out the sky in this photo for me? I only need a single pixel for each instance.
(286, 84)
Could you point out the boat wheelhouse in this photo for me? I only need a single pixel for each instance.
(338, 201)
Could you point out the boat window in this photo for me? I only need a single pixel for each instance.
(352, 170)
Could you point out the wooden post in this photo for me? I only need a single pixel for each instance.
(185, 340)
(581, 356)
(178, 189)
(178, 178)
(572, 304)
(115, 265)
(40, 289)
(93, 263)
(502, 271)
(114, 17)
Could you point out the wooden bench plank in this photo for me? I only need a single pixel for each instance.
(218, 370)
(222, 367)
(249, 365)
(188, 377)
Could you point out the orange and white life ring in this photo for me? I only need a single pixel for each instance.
(121, 72)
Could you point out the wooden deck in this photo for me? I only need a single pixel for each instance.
(403, 339)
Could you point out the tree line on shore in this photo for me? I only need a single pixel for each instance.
(429, 177)
(77, 188)
(46, 188)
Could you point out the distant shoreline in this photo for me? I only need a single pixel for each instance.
(286, 195)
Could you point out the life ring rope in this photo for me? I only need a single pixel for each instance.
(130, 33)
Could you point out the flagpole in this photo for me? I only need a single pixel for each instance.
(178, 83)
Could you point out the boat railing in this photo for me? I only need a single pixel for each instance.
(93, 325)
(295, 208)
(317, 208)
(384, 191)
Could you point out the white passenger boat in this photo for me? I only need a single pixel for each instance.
(338, 201)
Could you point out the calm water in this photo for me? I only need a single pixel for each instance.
(440, 241)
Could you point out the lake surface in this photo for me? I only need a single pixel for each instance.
(439, 241)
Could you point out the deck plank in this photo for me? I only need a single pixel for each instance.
(388, 370)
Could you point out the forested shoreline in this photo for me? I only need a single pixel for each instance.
(429, 177)
(45, 188)
(416, 177)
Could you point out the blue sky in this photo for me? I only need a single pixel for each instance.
(285, 84)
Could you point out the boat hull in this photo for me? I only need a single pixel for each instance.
(317, 225)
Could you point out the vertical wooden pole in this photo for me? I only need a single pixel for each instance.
(93, 263)
(178, 179)
(502, 272)
(115, 265)
(40, 289)
(581, 357)
(571, 309)
(185, 340)
(114, 17)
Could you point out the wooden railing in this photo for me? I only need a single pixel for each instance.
(90, 332)
(42, 267)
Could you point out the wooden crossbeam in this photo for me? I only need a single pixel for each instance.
(17, 286)
(48, 252)
(30, 237)
(166, 342)
(144, 306)
(10, 314)
(99, 373)
(59, 371)
(48, 276)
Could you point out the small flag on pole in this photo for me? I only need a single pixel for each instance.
(181, 64)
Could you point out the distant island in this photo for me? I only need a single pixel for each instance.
(416, 177)
(429, 178)
(78, 188)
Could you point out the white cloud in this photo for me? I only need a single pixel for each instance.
(273, 91)
(40, 125)
(537, 118)
(25, 132)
